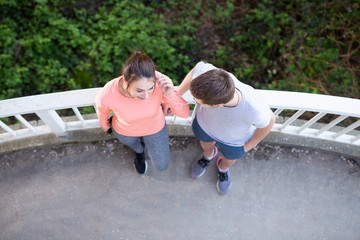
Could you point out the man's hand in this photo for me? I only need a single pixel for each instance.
(247, 147)
(259, 134)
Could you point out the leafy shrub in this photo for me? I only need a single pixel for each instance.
(321, 55)
(307, 46)
(53, 51)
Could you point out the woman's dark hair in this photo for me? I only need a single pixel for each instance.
(213, 87)
(137, 66)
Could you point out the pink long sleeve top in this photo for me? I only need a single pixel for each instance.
(132, 117)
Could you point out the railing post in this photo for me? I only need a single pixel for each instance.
(6, 128)
(79, 116)
(53, 120)
(47, 105)
(26, 123)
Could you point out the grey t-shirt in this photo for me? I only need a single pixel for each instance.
(233, 125)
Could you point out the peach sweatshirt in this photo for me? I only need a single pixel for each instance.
(133, 117)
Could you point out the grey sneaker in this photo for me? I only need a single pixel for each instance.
(198, 168)
(224, 182)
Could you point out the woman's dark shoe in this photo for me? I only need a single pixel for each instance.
(140, 162)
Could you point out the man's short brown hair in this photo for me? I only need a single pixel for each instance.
(213, 87)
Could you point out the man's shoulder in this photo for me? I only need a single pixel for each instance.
(202, 67)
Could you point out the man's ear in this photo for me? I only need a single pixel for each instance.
(219, 105)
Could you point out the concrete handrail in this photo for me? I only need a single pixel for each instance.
(46, 105)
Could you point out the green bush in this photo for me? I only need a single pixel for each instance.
(60, 47)
(321, 55)
(308, 46)
(303, 46)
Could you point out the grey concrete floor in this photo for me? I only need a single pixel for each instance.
(90, 191)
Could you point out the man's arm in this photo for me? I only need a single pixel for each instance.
(185, 84)
(259, 134)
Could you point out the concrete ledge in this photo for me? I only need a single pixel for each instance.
(86, 135)
(307, 142)
(93, 135)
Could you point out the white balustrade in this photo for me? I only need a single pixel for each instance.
(45, 106)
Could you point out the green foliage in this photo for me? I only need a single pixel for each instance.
(57, 46)
(302, 46)
(181, 19)
(117, 33)
(309, 46)
(320, 54)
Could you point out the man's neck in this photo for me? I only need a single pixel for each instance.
(236, 100)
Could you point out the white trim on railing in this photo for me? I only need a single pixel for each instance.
(45, 106)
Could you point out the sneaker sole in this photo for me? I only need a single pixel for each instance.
(197, 176)
(192, 176)
(217, 187)
(146, 167)
(217, 183)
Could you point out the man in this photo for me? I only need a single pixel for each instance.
(230, 115)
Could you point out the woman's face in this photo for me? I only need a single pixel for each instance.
(141, 88)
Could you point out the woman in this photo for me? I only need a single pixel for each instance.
(138, 120)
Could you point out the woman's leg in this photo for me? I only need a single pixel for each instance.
(157, 146)
(133, 142)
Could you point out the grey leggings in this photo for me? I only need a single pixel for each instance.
(157, 146)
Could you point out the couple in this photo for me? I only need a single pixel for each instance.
(230, 114)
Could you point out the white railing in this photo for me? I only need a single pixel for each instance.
(289, 107)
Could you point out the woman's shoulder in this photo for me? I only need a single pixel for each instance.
(110, 87)
(113, 82)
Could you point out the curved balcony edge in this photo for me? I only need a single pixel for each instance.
(176, 130)
(317, 121)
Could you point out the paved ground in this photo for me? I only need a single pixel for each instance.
(90, 191)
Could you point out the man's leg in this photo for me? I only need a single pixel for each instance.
(229, 158)
(224, 178)
(225, 164)
(207, 143)
(208, 148)
(198, 168)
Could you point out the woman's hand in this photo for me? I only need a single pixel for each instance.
(164, 82)
(167, 110)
